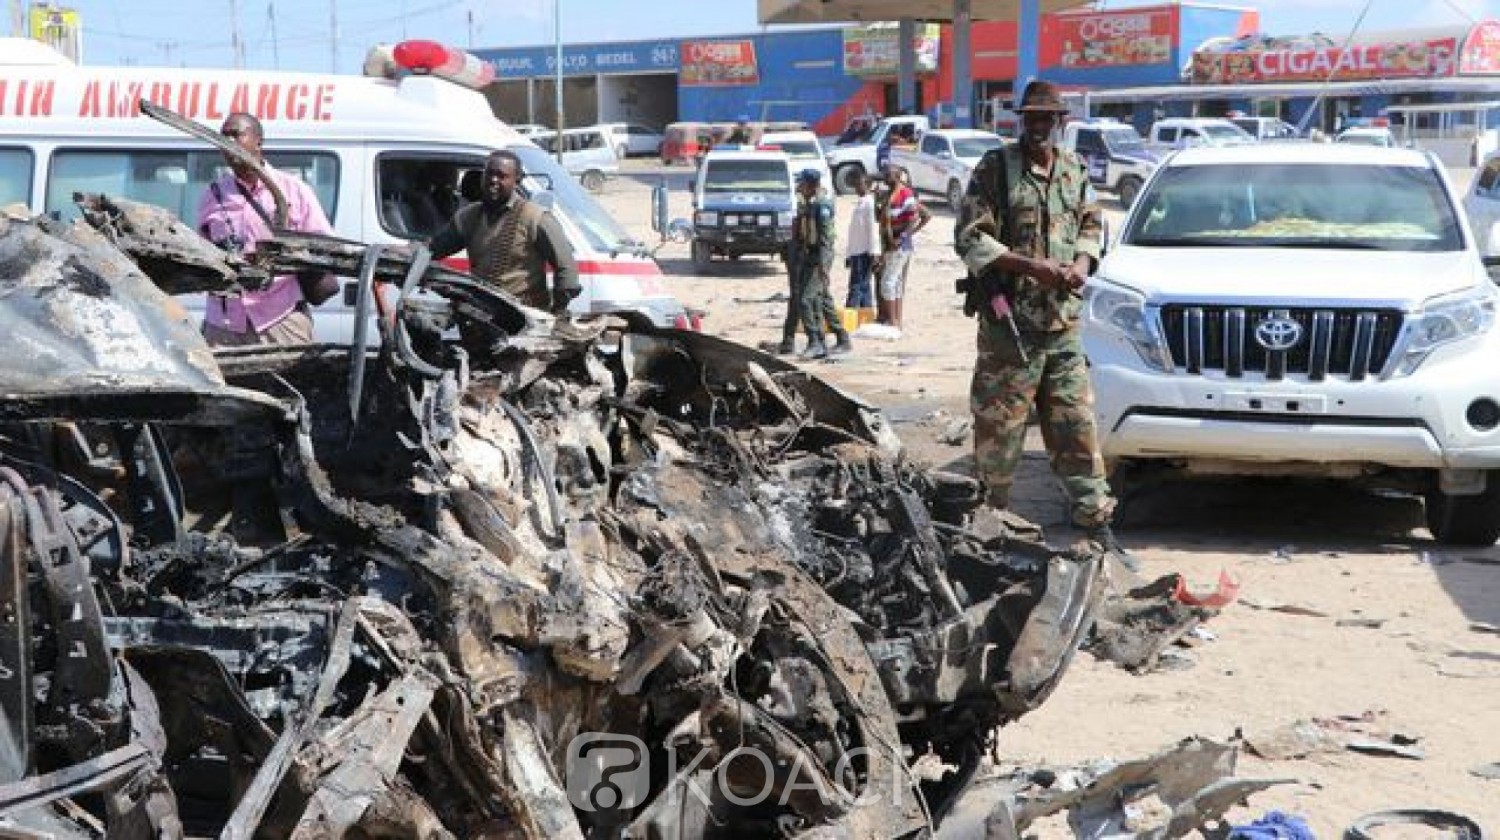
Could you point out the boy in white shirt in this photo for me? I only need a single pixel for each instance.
(863, 248)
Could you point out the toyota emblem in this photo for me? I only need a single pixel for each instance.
(1278, 333)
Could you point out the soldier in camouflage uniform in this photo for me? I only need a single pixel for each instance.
(1031, 230)
(813, 240)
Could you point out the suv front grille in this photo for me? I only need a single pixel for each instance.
(747, 222)
(1353, 343)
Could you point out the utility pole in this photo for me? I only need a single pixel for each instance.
(275, 42)
(237, 45)
(471, 29)
(333, 36)
(557, 26)
(17, 19)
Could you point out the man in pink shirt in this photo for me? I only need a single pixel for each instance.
(235, 213)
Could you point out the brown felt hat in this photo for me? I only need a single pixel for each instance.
(1042, 96)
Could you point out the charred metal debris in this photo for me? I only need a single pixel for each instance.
(501, 577)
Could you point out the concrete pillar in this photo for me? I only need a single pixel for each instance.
(906, 76)
(963, 81)
(1028, 36)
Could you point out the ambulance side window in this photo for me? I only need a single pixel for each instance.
(318, 170)
(173, 180)
(419, 193)
(15, 176)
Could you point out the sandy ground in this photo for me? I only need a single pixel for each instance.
(1420, 661)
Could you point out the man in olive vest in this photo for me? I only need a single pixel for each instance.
(512, 241)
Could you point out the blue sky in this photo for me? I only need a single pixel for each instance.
(198, 33)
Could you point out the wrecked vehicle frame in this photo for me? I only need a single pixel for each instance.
(314, 591)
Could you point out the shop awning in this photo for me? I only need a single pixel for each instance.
(829, 11)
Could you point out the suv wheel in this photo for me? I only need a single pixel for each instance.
(845, 178)
(1466, 520)
(955, 194)
(703, 255)
(1128, 189)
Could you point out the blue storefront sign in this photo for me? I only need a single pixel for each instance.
(584, 60)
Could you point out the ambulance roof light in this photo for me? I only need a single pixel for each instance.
(430, 58)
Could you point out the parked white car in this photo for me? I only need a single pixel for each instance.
(631, 139)
(586, 154)
(1305, 310)
(1482, 205)
(943, 161)
(805, 150)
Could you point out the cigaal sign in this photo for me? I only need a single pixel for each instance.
(1431, 58)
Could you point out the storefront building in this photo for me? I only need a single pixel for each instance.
(823, 76)
(1137, 64)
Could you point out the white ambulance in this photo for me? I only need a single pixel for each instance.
(390, 158)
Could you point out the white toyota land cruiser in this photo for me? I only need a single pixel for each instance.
(1304, 309)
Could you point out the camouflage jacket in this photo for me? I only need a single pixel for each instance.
(1056, 218)
(814, 233)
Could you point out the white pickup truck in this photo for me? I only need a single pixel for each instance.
(862, 156)
(1181, 132)
(942, 163)
(1118, 159)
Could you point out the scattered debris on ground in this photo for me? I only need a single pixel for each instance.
(1184, 789)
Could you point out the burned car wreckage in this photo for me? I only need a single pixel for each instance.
(321, 592)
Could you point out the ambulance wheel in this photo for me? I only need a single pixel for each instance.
(845, 177)
(592, 180)
(955, 194)
(1128, 189)
(703, 255)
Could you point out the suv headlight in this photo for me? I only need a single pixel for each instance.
(1123, 311)
(1444, 320)
(706, 218)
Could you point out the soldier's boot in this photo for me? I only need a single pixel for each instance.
(1104, 537)
(784, 347)
(816, 349)
(843, 345)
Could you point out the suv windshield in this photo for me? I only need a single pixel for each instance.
(798, 148)
(973, 147)
(1321, 205)
(573, 203)
(1122, 140)
(730, 176)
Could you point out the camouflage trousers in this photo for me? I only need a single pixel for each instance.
(1055, 377)
(811, 302)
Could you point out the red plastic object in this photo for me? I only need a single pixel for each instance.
(1223, 596)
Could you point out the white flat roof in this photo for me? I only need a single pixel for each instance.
(1462, 84)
